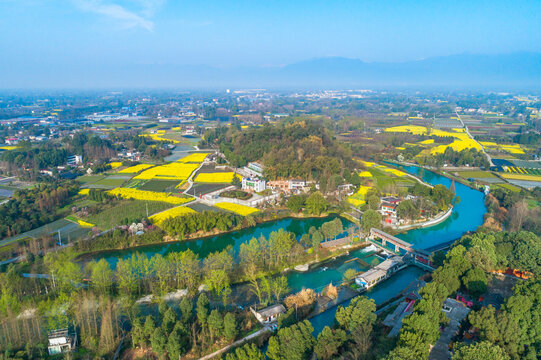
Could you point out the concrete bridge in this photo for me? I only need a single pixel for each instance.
(417, 256)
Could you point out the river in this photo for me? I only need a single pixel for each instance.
(466, 216)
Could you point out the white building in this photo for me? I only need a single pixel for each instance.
(269, 314)
(255, 168)
(253, 184)
(75, 160)
(382, 271)
(61, 341)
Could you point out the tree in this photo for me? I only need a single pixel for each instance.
(483, 350)
(236, 182)
(350, 274)
(169, 320)
(186, 309)
(296, 203)
(406, 210)
(101, 275)
(517, 215)
(230, 327)
(159, 341)
(216, 324)
(178, 342)
(329, 342)
(370, 219)
(246, 352)
(317, 238)
(373, 202)
(316, 203)
(149, 328)
(218, 283)
(361, 310)
(292, 343)
(475, 281)
(279, 287)
(202, 309)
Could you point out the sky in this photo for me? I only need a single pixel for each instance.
(37, 35)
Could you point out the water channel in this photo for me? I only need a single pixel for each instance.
(466, 216)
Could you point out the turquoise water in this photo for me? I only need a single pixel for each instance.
(205, 246)
(380, 293)
(332, 272)
(466, 216)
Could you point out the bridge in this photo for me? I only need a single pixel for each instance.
(391, 243)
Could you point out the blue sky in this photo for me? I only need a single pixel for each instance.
(37, 34)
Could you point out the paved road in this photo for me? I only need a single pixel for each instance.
(236, 343)
(468, 132)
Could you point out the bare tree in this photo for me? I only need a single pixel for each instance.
(517, 215)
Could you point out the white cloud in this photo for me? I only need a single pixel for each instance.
(124, 14)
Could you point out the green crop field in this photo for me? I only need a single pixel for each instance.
(130, 210)
(476, 174)
(159, 185)
(90, 179)
(109, 182)
(510, 187)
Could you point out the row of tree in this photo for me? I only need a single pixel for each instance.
(465, 267)
(31, 208)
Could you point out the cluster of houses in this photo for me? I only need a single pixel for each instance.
(252, 180)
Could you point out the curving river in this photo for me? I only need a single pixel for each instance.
(466, 216)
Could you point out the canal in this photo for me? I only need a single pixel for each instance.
(466, 216)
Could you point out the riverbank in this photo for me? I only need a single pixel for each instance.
(209, 235)
(436, 171)
(425, 224)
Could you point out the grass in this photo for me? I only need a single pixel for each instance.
(131, 210)
(110, 182)
(90, 179)
(510, 187)
(476, 174)
(158, 185)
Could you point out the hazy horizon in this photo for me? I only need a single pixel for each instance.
(84, 43)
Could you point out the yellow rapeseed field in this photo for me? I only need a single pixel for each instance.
(359, 198)
(223, 177)
(521, 177)
(510, 148)
(236, 208)
(115, 164)
(365, 174)
(84, 191)
(158, 137)
(128, 193)
(462, 140)
(395, 172)
(84, 223)
(159, 218)
(135, 169)
(194, 158)
(171, 171)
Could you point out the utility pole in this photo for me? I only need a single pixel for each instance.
(147, 208)
(59, 238)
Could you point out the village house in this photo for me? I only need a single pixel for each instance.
(253, 184)
(269, 314)
(382, 271)
(61, 341)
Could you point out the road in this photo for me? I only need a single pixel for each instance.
(236, 343)
(468, 132)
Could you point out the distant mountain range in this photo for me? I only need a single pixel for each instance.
(495, 72)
